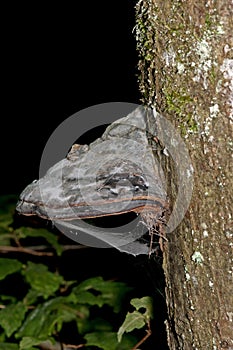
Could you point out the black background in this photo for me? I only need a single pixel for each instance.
(57, 60)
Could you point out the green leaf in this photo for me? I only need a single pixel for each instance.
(132, 321)
(8, 346)
(8, 298)
(31, 297)
(145, 303)
(7, 208)
(7, 204)
(86, 297)
(6, 220)
(51, 238)
(48, 317)
(96, 291)
(104, 340)
(108, 341)
(87, 325)
(12, 317)
(28, 342)
(44, 282)
(9, 266)
(5, 239)
(136, 319)
(2, 337)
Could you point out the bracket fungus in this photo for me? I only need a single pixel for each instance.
(115, 174)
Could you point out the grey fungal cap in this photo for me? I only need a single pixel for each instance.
(115, 174)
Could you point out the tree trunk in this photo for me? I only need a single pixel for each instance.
(186, 73)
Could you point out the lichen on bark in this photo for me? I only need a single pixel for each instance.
(186, 72)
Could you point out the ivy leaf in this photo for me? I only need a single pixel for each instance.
(144, 303)
(108, 341)
(96, 291)
(51, 238)
(136, 319)
(44, 282)
(8, 346)
(9, 266)
(132, 321)
(12, 317)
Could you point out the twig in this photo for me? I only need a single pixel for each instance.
(7, 249)
(28, 307)
(74, 246)
(59, 346)
(35, 250)
(148, 331)
(73, 346)
(64, 247)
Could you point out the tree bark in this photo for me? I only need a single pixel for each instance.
(186, 72)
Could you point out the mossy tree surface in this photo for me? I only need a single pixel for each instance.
(186, 72)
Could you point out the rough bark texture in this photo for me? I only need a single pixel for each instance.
(186, 72)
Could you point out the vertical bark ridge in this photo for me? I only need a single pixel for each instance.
(186, 73)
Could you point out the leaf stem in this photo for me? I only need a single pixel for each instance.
(148, 334)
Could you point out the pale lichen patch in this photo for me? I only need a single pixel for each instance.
(203, 225)
(230, 316)
(187, 275)
(203, 50)
(211, 284)
(227, 87)
(198, 258)
(169, 57)
(229, 234)
(180, 68)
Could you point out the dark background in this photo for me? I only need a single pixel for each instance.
(57, 60)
